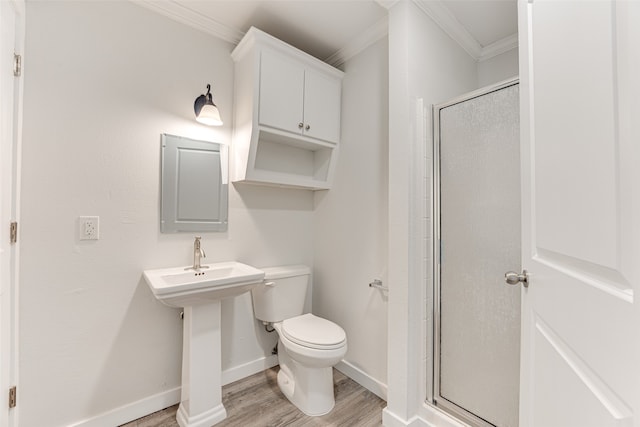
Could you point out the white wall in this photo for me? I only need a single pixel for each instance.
(103, 80)
(350, 222)
(498, 68)
(98, 93)
(424, 64)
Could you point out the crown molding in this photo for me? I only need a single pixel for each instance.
(437, 11)
(193, 19)
(183, 14)
(374, 33)
(498, 47)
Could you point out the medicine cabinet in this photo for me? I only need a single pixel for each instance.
(194, 185)
(287, 114)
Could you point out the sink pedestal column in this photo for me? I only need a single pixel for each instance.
(201, 400)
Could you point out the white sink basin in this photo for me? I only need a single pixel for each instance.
(177, 287)
(199, 292)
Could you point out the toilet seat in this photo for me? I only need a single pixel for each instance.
(315, 332)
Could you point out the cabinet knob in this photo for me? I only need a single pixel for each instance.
(300, 125)
(307, 127)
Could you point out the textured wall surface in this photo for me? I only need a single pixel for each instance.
(350, 220)
(99, 91)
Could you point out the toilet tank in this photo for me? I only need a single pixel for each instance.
(282, 294)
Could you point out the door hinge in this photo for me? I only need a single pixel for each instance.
(13, 232)
(12, 397)
(17, 65)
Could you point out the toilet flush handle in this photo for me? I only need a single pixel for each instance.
(269, 283)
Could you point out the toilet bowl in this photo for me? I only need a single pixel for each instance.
(308, 346)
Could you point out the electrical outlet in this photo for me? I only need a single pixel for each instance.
(89, 227)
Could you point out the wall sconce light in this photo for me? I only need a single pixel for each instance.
(206, 111)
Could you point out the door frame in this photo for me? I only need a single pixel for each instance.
(10, 171)
(434, 368)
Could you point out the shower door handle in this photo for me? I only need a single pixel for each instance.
(513, 278)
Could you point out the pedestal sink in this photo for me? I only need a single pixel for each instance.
(199, 293)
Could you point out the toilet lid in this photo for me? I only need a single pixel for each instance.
(315, 332)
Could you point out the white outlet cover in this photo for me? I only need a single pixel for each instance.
(89, 227)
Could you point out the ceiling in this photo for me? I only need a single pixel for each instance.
(488, 21)
(332, 30)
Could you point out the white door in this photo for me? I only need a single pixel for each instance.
(579, 71)
(11, 41)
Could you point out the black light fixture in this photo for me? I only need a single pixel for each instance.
(206, 111)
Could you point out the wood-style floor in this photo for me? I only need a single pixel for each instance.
(257, 401)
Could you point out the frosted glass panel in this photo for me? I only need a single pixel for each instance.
(480, 241)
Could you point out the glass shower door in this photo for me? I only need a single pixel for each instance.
(477, 336)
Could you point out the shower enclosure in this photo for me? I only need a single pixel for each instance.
(476, 241)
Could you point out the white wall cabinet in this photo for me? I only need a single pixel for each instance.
(298, 99)
(287, 115)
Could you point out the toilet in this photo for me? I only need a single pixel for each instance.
(308, 346)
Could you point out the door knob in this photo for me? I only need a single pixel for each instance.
(300, 125)
(513, 278)
(307, 127)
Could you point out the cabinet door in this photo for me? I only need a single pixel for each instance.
(281, 92)
(322, 106)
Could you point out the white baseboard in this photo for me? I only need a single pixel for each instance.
(364, 379)
(389, 419)
(157, 402)
(436, 417)
(243, 371)
(429, 416)
(134, 410)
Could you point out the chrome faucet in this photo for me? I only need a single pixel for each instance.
(198, 253)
